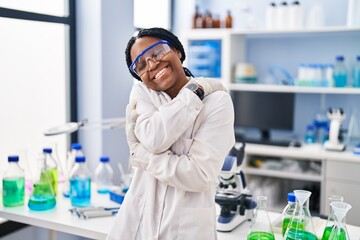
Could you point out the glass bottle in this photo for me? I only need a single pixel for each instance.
(42, 197)
(356, 73)
(331, 218)
(301, 225)
(339, 231)
(261, 226)
(80, 183)
(76, 150)
(288, 211)
(103, 175)
(13, 184)
(310, 135)
(340, 72)
(228, 20)
(51, 166)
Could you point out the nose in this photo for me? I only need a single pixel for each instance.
(151, 63)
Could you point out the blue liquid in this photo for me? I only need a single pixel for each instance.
(80, 192)
(103, 191)
(41, 202)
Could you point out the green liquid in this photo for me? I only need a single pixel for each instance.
(297, 234)
(42, 197)
(260, 236)
(327, 233)
(53, 175)
(295, 224)
(13, 192)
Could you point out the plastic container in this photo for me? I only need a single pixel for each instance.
(80, 183)
(295, 15)
(288, 211)
(76, 150)
(310, 135)
(103, 175)
(13, 184)
(52, 168)
(282, 16)
(271, 11)
(340, 72)
(356, 73)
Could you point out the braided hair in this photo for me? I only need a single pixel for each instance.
(162, 34)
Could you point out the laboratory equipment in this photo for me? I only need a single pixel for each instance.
(80, 183)
(261, 226)
(110, 123)
(103, 175)
(271, 14)
(13, 184)
(52, 167)
(336, 116)
(310, 135)
(356, 73)
(288, 212)
(42, 197)
(340, 72)
(76, 150)
(94, 212)
(232, 194)
(301, 225)
(338, 231)
(331, 218)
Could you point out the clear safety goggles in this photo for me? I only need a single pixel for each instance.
(155, 53)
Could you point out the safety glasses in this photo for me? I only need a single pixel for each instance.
(155, 53)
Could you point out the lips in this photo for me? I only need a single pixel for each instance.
(159, 73)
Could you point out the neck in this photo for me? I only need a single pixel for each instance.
(173, 92)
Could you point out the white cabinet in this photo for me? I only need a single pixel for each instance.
(343, 178)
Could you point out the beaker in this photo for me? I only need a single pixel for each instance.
(339, 231)
(331, 218)
(261, 226)
(42, 196)
(301, 225)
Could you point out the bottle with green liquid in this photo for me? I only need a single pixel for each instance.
(261, 226)
(13, 184)
(52, 168)
(288, 212)
(330, 223)
(338, 231)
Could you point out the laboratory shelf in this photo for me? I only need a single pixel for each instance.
(283, 174)
(291, 89)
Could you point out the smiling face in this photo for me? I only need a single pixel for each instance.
(165, 75)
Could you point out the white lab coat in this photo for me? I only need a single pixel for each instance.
(172, 193)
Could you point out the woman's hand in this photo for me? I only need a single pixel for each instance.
(209, 85)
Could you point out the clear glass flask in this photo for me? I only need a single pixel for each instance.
(301, 225)
(52, 168)
(331, 218)
(261, 226)
(42, 197)
(339, 231)
(103, 175)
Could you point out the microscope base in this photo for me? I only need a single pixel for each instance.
(334, 147)
(228, 227)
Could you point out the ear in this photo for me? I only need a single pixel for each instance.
(178, 53)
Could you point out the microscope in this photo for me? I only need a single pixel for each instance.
(232, 194)
(336, 116)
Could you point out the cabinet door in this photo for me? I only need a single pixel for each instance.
(351, 193)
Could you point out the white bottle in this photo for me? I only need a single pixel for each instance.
(315, 18)
(295, 15)
(271, 16)
(353, 14)
(103, 175)
(282, 22)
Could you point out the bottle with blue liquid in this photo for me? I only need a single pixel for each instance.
(76, 150)
(80, 183)
(356, 73)
(103, 175)
(340, 74)
(13, 184)
(310, 135)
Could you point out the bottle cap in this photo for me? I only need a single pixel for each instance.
(340, 58)
(47, 150)
(358, 58)
(104, 159)
(310, 127)
(13, 158)
(76, 146)
(291, 197)
(79, 159)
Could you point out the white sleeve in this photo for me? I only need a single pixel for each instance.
(158, 127)
(199, 169)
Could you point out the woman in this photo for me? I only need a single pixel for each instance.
(179, 132)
